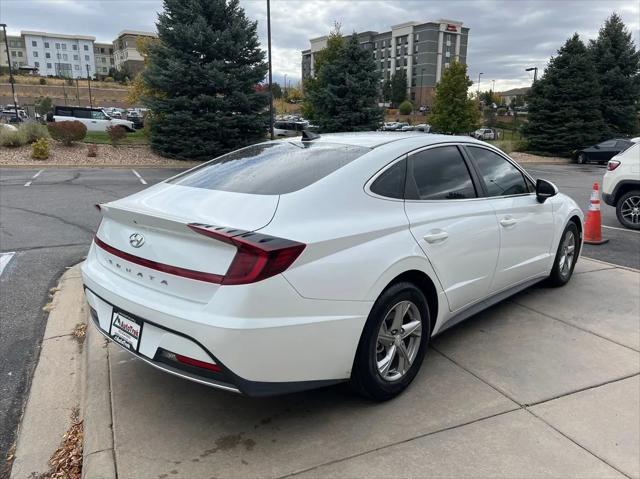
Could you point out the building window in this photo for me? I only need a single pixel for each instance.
(104, 60)
(448, 43)
(20, 54)
(110, 51)
(46, 44)
(48, 65)
(74, 46)
(14, 54)
(65, 56)
(111, 61)
(447, 54)
(57, 46)
(64, 46)
(34, 43)
(77, 67)
(104, 69)
(405, 61)
(417, 37)
(76, 57)
(36, 64)
(47, 55)
(58, 55)
(86, 48)
(35, 54)
(86, 57)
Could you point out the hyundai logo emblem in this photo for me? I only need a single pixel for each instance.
(136, 240)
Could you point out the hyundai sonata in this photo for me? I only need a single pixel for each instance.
(299, 263)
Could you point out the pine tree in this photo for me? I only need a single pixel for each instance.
(204, 72)
(343, 95)
(618, 67)
(564, 105)
(454, 112)
(399, 87)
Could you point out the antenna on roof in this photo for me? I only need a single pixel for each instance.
(309, 135)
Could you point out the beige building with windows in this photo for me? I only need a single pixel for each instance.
(103, 53)
(17, 50)
(125, 50)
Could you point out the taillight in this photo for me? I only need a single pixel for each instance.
(259, 256)
(612, 165)
(179, 358)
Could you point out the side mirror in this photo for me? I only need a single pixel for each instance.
(545, 189)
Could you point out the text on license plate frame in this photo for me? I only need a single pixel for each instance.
(124, 331)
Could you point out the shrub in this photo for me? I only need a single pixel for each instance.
(520, 145)
(92, 150)
(70, 82)
(12, 138)
(116, 133)
(67, 132)
(40, 149)
(43, 81)
(406, 107)
(108, 80)
(34, 131)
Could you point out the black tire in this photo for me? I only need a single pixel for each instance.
(582, 158)
(560, 276)
(634, 197)
(366, 378)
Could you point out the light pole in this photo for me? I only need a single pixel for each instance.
(270, 71)
(89, 83)
(421, 79)
(13, 91)
(285, 85)
(493, 86)
(479, 75)
(535, 72)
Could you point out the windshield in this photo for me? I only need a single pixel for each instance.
(271, 168)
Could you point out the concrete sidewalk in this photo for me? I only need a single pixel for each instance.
(544, 385)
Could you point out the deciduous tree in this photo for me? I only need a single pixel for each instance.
(453, 110)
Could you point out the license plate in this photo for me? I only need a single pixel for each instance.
(125, 330)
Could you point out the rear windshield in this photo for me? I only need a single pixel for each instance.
(271, 168)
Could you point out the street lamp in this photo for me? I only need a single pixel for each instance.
(285, 85)
(493, 86)
(270, 71)
(89, 83)
(13, 91)
(479, 75)
(421, 78)
(535, 72)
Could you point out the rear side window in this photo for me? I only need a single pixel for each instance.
(271, 168)
(500, 177)
(82, 113)
(391, 182)
(439, 174)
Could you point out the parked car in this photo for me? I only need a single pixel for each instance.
(390, 126)
(423, 127)
(7, 127)
(484, 134)
(304, 262)
(621, 186)
(284, 129)
(603, 152)
(407, 128)
(136, 118)
(95, 119)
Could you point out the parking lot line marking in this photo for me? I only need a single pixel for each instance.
(142, 180)
(28, 183)
(621, 229)
(4, 260)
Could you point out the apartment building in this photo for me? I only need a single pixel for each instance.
(125, 50)
(103, 54)
(69, 56)
(17, 51)
(422, 50)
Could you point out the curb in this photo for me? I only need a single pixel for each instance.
(56, 385)
(98, 452)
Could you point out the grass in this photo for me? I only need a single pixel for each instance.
(101, 138)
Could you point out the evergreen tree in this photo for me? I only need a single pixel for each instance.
(399, 87)
(203, 73)
(453, 111)
(564, 105)
(386, 91)
(343, 95)
(617, 64)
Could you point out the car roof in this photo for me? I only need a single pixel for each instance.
(373, 139)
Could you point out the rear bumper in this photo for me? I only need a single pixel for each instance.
(265, 337)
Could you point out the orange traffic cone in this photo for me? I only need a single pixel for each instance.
(593, 224)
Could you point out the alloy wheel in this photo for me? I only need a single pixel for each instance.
(630, 210)
(398, 341)
(567, 254)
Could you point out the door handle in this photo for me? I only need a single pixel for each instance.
(436, 237)
(508, 221)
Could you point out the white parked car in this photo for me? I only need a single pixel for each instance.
(621, 186)
(95, 119)
(304, 262)
(484, 134)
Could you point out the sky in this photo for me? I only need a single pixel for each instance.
(506, 36)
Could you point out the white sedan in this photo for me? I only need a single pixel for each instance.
(299, 263)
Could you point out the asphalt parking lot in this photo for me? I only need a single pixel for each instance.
(47, 220)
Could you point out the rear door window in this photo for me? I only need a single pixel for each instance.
(80, 113)
(271, 168)
(438, 174)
